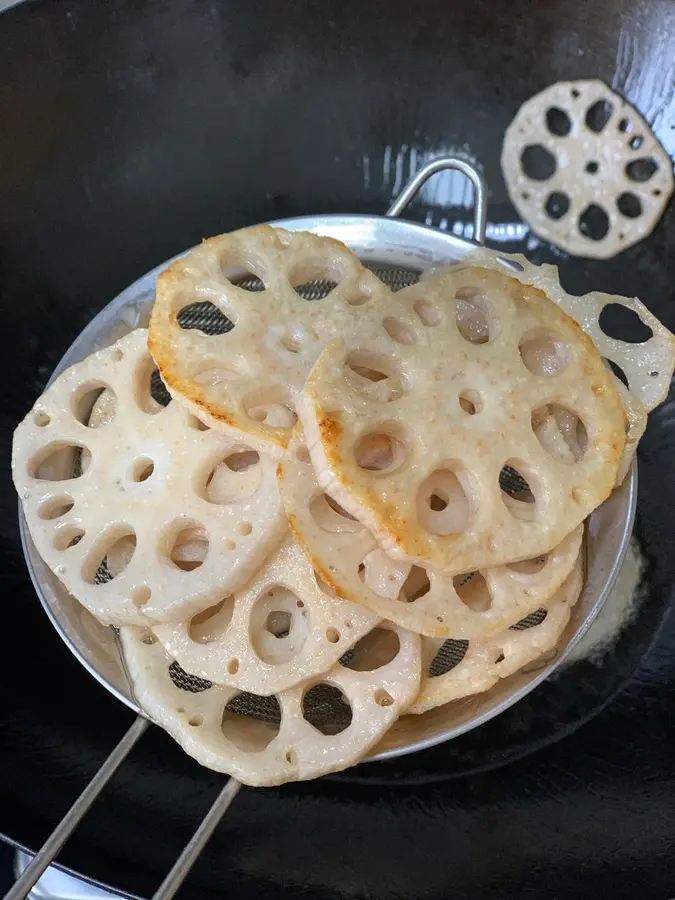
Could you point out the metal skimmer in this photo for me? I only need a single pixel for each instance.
(398, 251)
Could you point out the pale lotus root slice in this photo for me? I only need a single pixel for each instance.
(647, 366)
(248, 376)
(278, 631)
(584, 169)
(112, 499)
(423, 468)
(487, 660)
(298, 734)
(429, 602)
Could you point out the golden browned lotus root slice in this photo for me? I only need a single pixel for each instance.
(144, 515)
(584, 169)
(325, 725)
(482, 662)
(248, 376)
(278, 631)
(647, 366)
(423, 600)
(451, 468)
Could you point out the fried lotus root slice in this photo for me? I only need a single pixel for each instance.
(429, 602)
(647, 366)
(475, 666)
(246, 371)
(450, 470)
(303, 732)
(115, 487)
(278, 631)
(584, 169)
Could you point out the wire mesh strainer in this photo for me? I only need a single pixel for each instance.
(398, 251)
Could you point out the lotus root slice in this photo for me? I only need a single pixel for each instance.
(278, 631)
(456, 467)
(115, 486)
(584, 169)
(246, 371)
(328, 724)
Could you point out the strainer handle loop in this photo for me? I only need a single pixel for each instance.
(31, 874)
(474, 175)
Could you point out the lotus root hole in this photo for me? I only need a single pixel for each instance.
(538, 163)
(110, 556)
(94, 405)
(314, 279)
(592, 167)
(629, 205)
(41, 418)
(624, 324)
(249, 734)
(56, 462)
(195, 721)
(55, 507)
(150, 392)
(470, 402)
(375, 649)
(142, 469)
(270, 407)
(544, 352)
(428, 312)
(598, 115)
(291, 757)
(399, 331)
(528, 566)
(475, 316)
(234, 478)
(140, 596)
(558, 122)
(557, 205)
(560, 432)
(278, 629)
(327, 709)
(332, 635)
(233, 666)
(67, 536)
(415, 586)
(380, 452)
(190, 547)
(641, 170)
(443, 506)
(245, 528)
(241, 274)
(374, 376)
(516, 491)
(472, 590)
(382, 698)
(330, 516)
(210, 624)
(594, 222)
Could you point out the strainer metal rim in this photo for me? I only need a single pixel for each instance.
(370, 232)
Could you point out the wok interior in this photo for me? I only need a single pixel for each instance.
(376, 241)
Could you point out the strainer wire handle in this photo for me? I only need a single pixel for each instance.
(441, 164)
(186, 860)
(31, 874)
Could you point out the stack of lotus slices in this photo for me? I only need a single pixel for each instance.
(332, 512)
